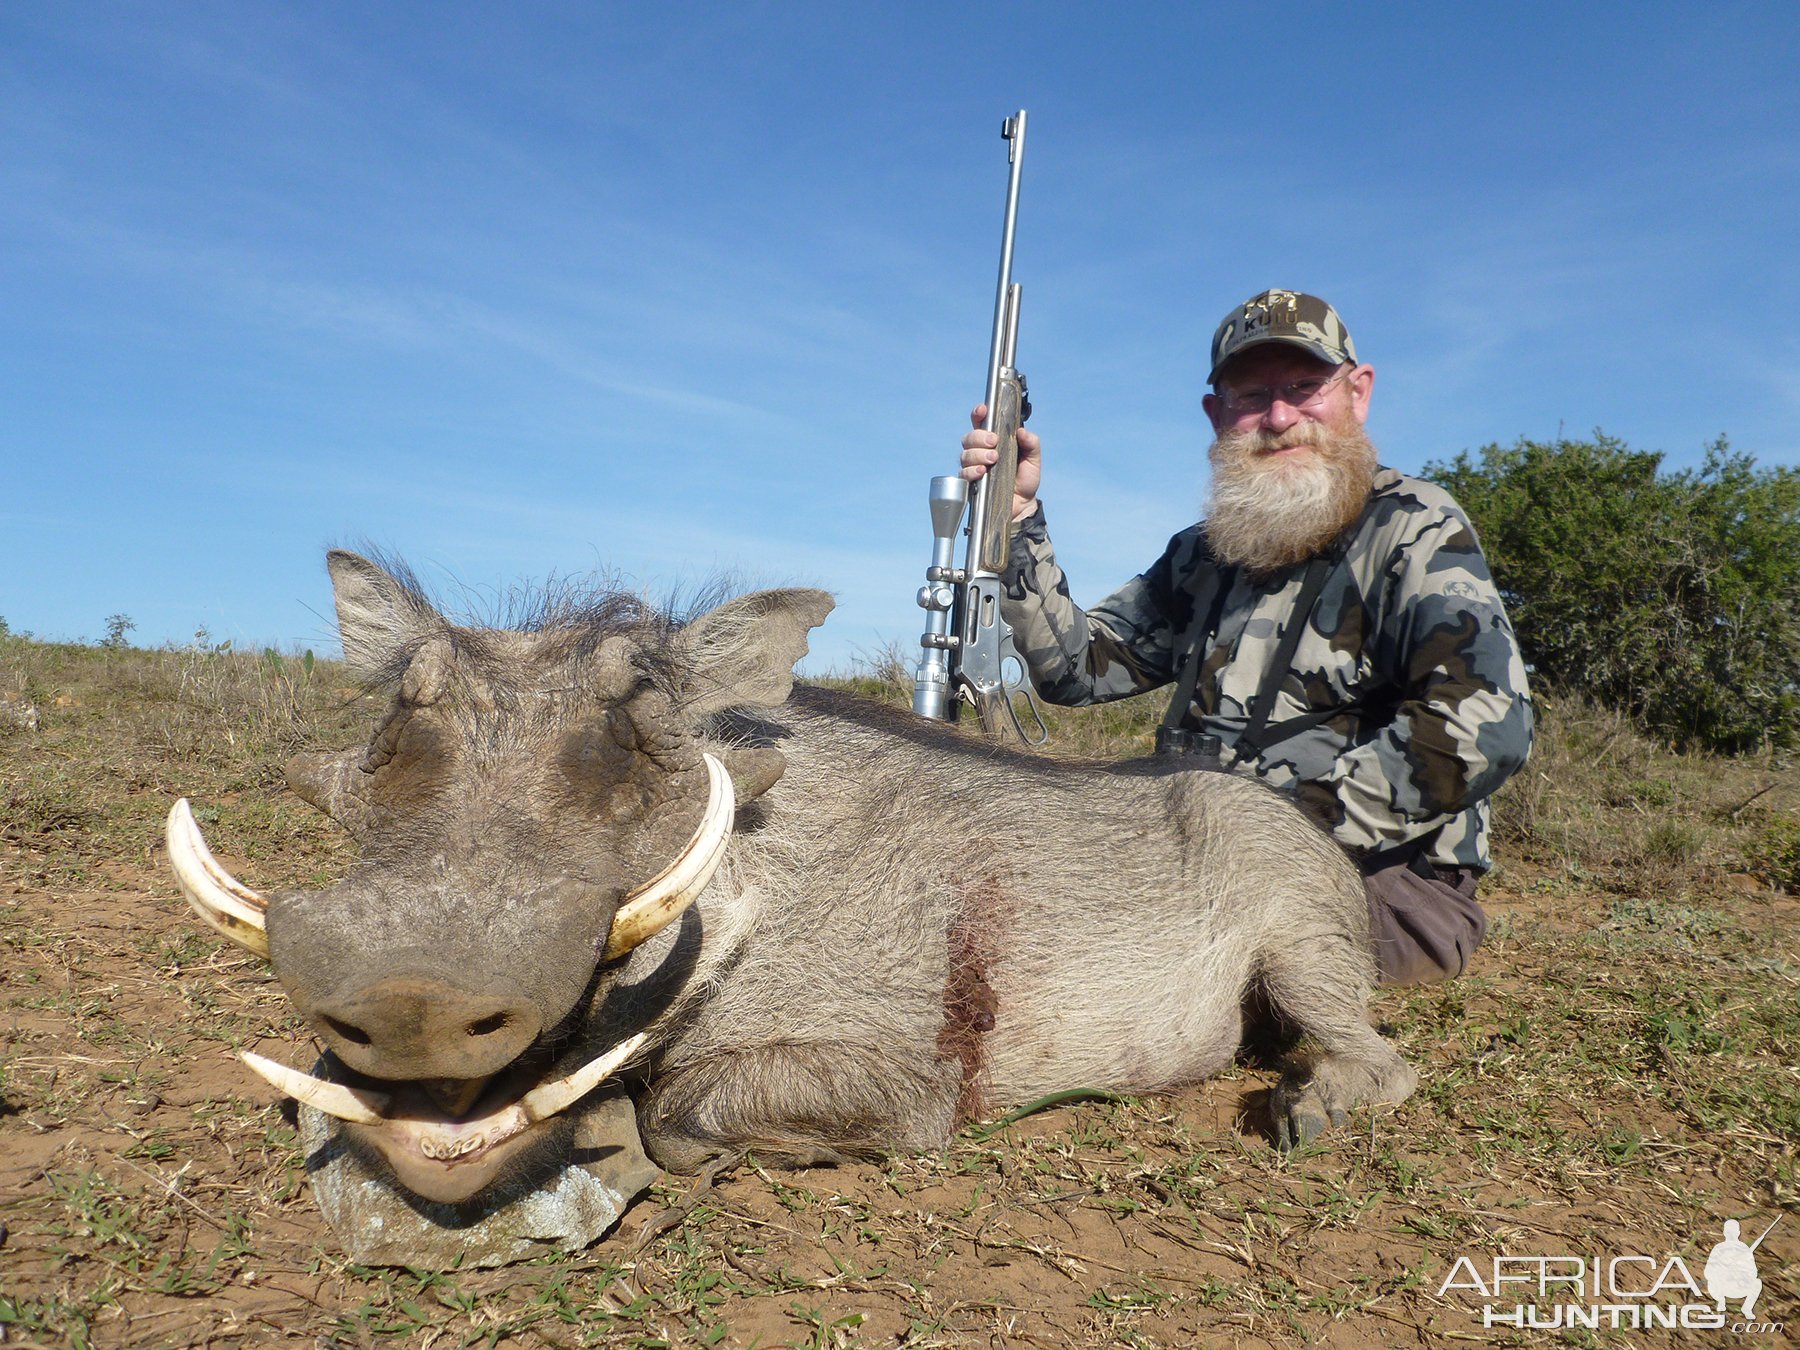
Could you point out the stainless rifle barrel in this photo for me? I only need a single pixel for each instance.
(1013, 129)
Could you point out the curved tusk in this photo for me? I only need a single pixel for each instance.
(217, 897)
(547, 1099)
(447, 1141)
(659, 901)
(334, 1099)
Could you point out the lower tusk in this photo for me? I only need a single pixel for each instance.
(334, 1099)
(659, 902)
(225, 903)
(547, 1099)
(448, 1141)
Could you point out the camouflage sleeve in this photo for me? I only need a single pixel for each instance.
(1463, 721)
(1122, 646)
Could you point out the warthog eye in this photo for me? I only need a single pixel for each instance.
(411, 760)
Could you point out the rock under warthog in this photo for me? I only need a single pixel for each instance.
(905, 929)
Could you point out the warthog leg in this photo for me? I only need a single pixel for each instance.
(798, 1105)
(1321, 984)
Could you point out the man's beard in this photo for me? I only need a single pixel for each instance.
(1269, 513)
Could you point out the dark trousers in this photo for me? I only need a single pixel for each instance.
(1424, 921)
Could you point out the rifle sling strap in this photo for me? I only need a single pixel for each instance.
(1201, 632)
(1250, 743)
(1257, 734)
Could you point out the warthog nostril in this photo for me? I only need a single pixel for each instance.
(354, 1034)
(420, 1026)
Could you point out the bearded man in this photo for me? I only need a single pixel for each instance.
(1331, 622)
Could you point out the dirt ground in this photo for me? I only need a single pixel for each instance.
(152, 1190)
(1618, 1075)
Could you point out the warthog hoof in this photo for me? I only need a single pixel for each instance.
(1301, 1112)
(1307, 1101)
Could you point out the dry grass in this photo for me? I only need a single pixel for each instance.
(1110, 731)
(1605, 803)
(1619, 1072)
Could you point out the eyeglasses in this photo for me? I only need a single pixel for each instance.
(1299, 395)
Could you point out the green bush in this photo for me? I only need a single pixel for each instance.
(1674, 596)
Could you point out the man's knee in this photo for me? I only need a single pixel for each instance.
(1423, 928)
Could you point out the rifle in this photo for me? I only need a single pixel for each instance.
(969, 655)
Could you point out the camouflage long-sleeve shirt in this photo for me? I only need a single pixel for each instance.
(1407, 656)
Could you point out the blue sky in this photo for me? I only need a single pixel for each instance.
(668, 291)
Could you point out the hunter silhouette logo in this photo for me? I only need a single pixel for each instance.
(1731, 1269)
(1617, 1292)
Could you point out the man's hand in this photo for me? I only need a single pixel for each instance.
(980, 451)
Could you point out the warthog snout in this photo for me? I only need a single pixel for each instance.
(402, 988)
(413, 1027)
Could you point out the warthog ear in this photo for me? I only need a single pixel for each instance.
(742, 654)
(379, 614)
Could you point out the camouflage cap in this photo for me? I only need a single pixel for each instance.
(1282, 316)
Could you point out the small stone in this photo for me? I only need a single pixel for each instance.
(566, 1212)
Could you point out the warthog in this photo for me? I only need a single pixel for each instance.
(893, 928)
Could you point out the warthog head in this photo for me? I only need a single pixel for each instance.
(534, 803)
